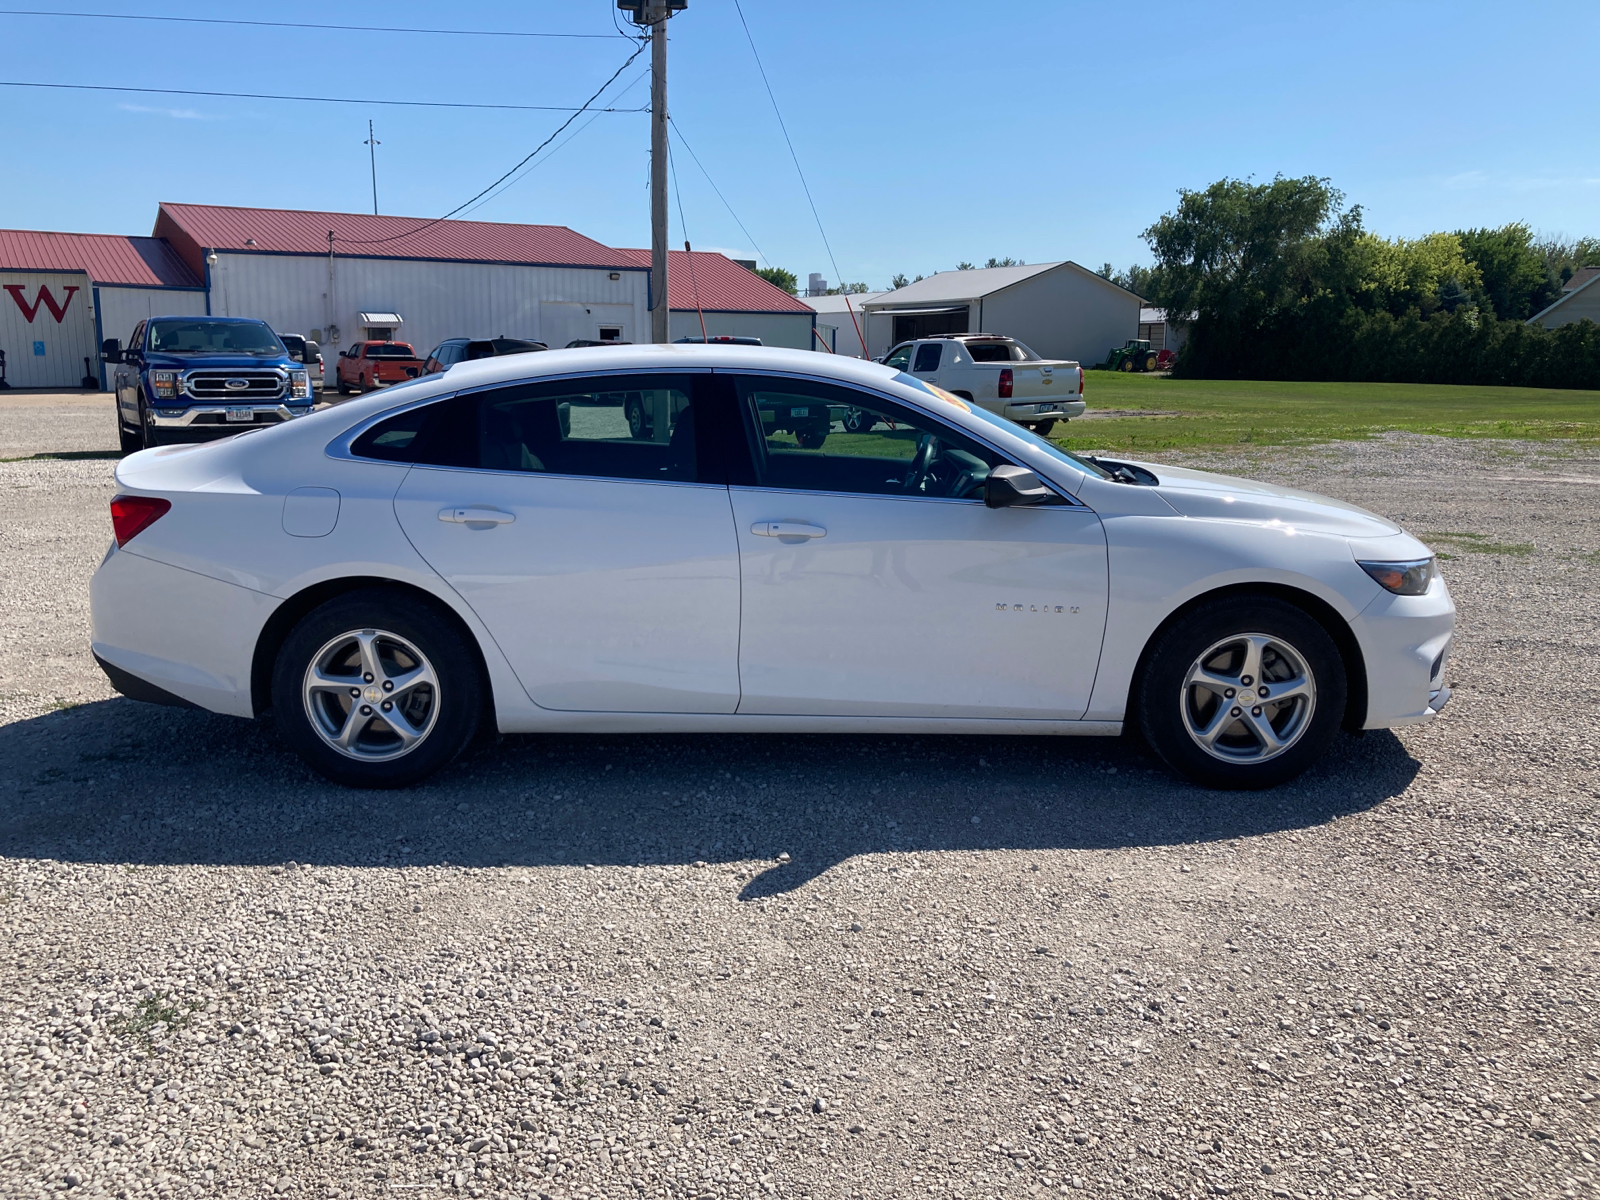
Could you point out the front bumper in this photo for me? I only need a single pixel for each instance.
(1043, 410)
(1406, 643)
(201, 422)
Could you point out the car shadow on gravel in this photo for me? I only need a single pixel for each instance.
(116, 781)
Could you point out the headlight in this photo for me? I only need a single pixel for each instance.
(299, 384)
(1402, 578)
(164, 384)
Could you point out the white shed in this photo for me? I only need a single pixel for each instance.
(1579, 301)
(1059, 309)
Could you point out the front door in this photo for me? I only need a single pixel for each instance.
(877, 583)
(126, 380)
(603, 566)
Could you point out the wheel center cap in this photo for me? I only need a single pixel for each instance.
(373, 693)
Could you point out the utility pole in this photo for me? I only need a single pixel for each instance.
(372, 144)
(655, 14)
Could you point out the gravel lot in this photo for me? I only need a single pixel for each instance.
(814, 966)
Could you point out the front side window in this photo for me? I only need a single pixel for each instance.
(928, 357)
(820, 437)
(899, 358)
(200, 336)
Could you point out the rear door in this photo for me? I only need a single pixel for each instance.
(604, 563)
(876, 582)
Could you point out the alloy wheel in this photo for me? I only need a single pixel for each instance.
(1248, 698)
(371, 695)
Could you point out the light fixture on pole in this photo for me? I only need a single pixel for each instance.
(655, 14)
(372, 144)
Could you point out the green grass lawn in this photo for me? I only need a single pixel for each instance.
(1247, 412)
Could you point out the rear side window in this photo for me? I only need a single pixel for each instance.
(614, 427)
(928, 357)
(439, 435)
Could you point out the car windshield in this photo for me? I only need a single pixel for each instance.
(213, 337)
(1000, 351)
(390, 350)
(1011, 427)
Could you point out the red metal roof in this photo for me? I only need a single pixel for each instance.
(104, 257)
(193, 228)
(724, 285)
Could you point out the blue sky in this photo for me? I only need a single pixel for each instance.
(929, 132)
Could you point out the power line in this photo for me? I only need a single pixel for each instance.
(556, 149)
(677, 129)
(640, 49)
(151, 91)
(779, 112)
(29, 12)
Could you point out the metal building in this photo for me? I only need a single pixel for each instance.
(61, 294)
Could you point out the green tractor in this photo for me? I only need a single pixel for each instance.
(1135, 356)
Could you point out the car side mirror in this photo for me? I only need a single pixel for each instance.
(111, 350)
(1014, 487)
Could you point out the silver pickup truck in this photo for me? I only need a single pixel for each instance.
(998, 373)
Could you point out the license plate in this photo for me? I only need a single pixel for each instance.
(241, 414)
(799, 412)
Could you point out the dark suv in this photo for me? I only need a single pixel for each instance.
(453, 350)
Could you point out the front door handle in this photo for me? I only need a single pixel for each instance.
(475, 516)
(787, 529)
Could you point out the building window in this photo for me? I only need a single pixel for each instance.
(611, 333)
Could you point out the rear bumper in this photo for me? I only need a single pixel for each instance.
(174, 635)
(1042, 410)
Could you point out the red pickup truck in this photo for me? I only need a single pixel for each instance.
(368, 365)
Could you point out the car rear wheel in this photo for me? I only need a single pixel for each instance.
(376, 689)
(1242, 693)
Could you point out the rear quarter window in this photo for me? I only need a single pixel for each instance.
(442, 434)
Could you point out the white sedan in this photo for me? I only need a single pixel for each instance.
(688, 538)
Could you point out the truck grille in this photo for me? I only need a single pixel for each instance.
(213, 385)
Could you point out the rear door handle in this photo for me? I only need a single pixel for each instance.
(785, 529)
(475, 516)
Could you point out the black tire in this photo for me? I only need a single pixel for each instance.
(811, 437)
(131, 441)
(1149, 362)
(1043, 428)
(457, 698)
(638, 427)
(1165, 708)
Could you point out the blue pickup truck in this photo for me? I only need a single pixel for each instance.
(191, 379)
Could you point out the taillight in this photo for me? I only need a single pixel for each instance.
(1080, 381)
(132, 515)
(1005, 383)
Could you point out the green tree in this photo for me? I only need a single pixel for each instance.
(1516, 275)
(779, 278)
(848, 289)
(964, 266)
(1404, 274)
(898, 282)
(1005, 262)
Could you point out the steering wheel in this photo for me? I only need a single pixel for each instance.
(922, 462)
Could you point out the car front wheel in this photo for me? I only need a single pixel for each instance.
(376, 689)
(1242, 693)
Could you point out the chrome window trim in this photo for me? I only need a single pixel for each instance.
(1070, 501)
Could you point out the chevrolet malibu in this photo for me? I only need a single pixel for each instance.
(500, 547)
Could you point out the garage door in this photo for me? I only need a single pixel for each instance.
(47, 328)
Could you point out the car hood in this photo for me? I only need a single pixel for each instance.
(1225, 498)
(181, 362)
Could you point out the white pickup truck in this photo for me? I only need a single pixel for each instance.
(998, 373)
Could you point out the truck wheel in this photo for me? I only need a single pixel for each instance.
(810, 438)
(1043, 428)
(375, 689)
(344, 388)
(1126, 364)
(1241, 693)
(130, 441)
(637, 427)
